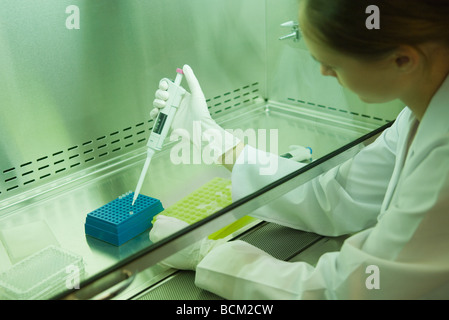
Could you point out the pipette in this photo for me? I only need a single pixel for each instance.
(162, 125)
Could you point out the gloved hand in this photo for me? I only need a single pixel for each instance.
(298, 153)
(188, 258)
(193, 114)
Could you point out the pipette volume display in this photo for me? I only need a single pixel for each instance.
(162, 125)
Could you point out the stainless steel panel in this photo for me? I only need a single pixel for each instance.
(71, 99)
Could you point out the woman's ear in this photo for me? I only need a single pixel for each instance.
(402, 61)
(407, 58)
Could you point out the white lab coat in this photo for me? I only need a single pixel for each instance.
(393, 197)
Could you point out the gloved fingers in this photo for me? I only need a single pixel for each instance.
(300, 153)
(294, 147)
(185, 259)
(173, 220)
(157, 103)
(163, 85)
(207, 245)
(162, 95)
(154, 113)
(192, 81)
(169, 223)
(189, 257)
(164, 226)
(160, 101)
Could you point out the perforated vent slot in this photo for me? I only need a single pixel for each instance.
(336, 110)
(46, 168)
(230, 100)
(49, 167)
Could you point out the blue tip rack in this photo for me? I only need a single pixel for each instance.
(118, 221)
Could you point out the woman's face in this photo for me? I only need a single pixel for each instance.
(373, 82)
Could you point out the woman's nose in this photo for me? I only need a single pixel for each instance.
(326, 71)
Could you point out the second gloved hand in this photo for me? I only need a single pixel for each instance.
(193, 114)
(187, 258)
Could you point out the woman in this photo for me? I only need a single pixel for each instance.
(393, 196)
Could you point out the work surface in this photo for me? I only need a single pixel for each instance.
(57, 216)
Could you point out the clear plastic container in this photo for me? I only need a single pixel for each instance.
(42, 275)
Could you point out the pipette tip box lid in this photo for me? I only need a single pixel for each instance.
(119, 221)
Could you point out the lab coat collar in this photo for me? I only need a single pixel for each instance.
(434, 125)
(435, 122)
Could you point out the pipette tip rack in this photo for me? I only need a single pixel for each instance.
(118, 221)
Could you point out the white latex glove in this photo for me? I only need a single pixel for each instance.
(188, 258)
(299, 153)
(193, 114)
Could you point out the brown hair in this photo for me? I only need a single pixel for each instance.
(341, 24)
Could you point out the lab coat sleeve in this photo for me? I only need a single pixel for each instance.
(344, 200)
(403, 257)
